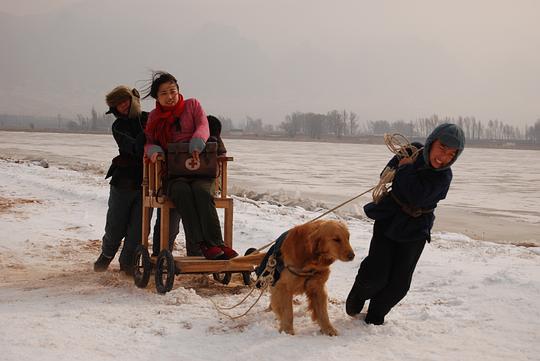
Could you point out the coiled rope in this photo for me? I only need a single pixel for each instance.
(400, 146)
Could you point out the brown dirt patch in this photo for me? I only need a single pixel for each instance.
(205, 286)
(7, 203)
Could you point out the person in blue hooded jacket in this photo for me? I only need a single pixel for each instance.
(403, 222)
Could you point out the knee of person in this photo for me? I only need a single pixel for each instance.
(373, 276)
(179, 190)
(371, 283)
(179, 187)
(402, 291)
(200, 192)
(377, 282)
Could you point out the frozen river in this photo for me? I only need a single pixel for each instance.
(494, 193)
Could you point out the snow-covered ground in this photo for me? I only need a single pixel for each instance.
(470, 300)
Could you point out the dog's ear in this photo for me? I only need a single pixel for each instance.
(313, 240)
(300, 244)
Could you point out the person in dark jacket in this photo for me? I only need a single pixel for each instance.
(124, 215)
(403, 222)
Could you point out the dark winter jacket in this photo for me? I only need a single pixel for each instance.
(215, 134)
(407, 211)
(127, 168)
(276, 251)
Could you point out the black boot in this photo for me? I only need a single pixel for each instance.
(374, 319)
(127, 269)
(102, 263)
(354, 305)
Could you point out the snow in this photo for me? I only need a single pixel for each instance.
(470, 300)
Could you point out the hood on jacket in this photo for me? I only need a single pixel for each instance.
(448, 134)
(121, 93)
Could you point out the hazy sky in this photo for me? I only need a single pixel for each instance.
(382, 59)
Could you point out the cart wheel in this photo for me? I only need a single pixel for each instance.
(143, 266)
(246, 276)
(164, 276)
(223, 278)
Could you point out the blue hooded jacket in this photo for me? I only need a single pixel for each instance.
(417, 186)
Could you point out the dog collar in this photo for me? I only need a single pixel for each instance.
(301, 273)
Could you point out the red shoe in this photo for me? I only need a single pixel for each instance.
(213, 252)
(229, 252)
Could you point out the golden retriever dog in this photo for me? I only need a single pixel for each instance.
(307, 253)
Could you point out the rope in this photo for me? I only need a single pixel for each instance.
(400, 146)
(320, 216)
(264, 280)
(220, 309)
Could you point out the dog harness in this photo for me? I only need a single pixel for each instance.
(273, 253)
(272, 265)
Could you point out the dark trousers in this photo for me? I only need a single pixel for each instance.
(174, 228)
(124, 221)
(385, 275)
(194, 200)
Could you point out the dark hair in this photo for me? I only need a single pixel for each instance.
(215, 125)
(152, 85)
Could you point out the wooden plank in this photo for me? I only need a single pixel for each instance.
(145, 225)
(228, 226)
(151, 180)
(223, 202)
(212, 267)
(202, 265)
(255, 259)
(164, 229)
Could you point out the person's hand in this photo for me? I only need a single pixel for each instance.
(154, 156)
(407, 160)
(195, 155)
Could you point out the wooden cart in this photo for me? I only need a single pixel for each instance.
(166, 266)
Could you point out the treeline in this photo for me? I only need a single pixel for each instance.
(493, 130)
(343, 123)
(338, 124)
(318, 126)
(93, 122)
(333, 124)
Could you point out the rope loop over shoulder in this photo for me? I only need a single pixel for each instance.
(402, 148)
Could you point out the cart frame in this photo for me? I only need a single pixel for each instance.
(166, 266)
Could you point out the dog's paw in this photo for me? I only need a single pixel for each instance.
(330, 331)
(287, 330)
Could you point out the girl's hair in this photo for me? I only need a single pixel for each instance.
(152, 85)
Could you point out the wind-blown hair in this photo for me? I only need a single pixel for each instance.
(152, 85)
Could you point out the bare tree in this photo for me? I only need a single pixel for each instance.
(353, 123)
(379, 127)
(94, 119)
(254, 125)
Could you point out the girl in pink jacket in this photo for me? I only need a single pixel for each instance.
(177, 120)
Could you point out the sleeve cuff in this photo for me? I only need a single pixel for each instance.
(196, 144)
(154, 149)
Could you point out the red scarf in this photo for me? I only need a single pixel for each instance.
(160, 126)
